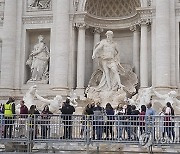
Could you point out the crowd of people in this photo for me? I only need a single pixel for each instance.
(126, 119)
(34, 117)
(122, 122)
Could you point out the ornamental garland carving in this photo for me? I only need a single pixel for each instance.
(37, 20)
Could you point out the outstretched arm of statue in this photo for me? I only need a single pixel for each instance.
(159, 95)
(43, 99)
(97, 49)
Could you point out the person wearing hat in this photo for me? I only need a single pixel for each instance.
(108, 55)
(9, 111)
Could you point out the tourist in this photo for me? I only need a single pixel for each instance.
(90, 112)
(119, 120)
(1, 121)
(162, 122)
(149, 119)
(98, 120)
(110, 121)
(127, 121)
(9, 114)
(84, 120)
(67, 111)
(22, 120)
(23, 110)
(170, 117)
(134, 121)
(142, 119)
(33, 122)
(45, 122)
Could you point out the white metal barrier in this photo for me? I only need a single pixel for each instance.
(32, 129)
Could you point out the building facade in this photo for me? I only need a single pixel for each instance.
(146, 31)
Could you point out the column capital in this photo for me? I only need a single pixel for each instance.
(81, 25)
(134, 28)
(144, 21)
(98, 30)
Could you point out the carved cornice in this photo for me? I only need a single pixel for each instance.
(145, 13)
(37, 20)
(112, 23)
(143, 16)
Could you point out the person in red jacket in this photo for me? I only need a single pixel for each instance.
(23, 116)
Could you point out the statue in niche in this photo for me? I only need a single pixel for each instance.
(38, 62)
(111, 79)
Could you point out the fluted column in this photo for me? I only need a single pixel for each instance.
(60, 52)
(97, 38)
(136, 49)
(8, 45)
(163, 43)
(144, 55)
(81, 56)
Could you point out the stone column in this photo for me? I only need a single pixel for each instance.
(144, 54)
(8, 45)
(136, 48)
(60, 52)
(81, 56)
(163, 51)
(72, 57)
(97, 36)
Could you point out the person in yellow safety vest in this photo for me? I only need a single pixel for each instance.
(9, 111)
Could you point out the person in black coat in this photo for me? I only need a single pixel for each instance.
(67, 111)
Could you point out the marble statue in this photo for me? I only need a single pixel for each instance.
(169, 97)
(54, 104)
(112, 80)
(73, 97)
(38, 61)
(107, 53)
(29, 97)
(143, 97)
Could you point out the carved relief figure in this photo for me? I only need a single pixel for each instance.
(40, 4)
(38, 61)
(107, 53)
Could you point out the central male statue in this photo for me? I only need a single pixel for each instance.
(109, 62)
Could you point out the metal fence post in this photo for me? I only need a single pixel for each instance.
(88, 133)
